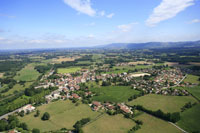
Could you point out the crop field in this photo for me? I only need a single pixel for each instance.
(140, 62)
(190, 119)
(152, 124)
(1, 75)
(65, 59)
(192, 79)
(68, 70)
(28, 73)
(113, 93)
(109, 124)
(63, 114)
(165, 103)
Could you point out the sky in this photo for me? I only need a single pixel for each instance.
(27, 24)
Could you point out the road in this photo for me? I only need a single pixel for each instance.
(178, 127)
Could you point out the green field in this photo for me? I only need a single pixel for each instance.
(195, 91)
(152, 124)
(28, 73)
(68, 70)
(165, 103)
(109, 124)
(63, 114)
(192, 79)
(84, 62)
(190, 119)
(113, 93)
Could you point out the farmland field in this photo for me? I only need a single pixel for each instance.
(69, 70)
(165, 103)
(113, 93)
(109, 124)
(190, 119)
(63, 114)
(192, 79)
(28, 73)
(1, 75)
(152, 124)
(62, 58)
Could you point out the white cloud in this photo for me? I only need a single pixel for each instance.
(91, 36)
(126, 27)
(110, 15)
(195, 21)
(102, 13)
(167, 9)
(82, 6)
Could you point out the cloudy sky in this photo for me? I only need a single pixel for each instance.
(79, 23)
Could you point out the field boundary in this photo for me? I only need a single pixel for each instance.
(178, 127)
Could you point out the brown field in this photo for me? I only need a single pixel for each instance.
(140, 62)
(195, 63)
(62, 58)
(1, 75)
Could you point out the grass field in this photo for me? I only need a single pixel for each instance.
(69, 70)
(192, 79)
(195, 91)
(113, 93)
(152, 124)
(190, 119)
(109, 124)
(28, 73)
(165, 103)
(84, 62)
(63, 114)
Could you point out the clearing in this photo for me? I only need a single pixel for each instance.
(113, 93)
(165, 103)
(28, 73)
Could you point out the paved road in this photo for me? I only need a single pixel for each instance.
(178, 127)
(6, 115)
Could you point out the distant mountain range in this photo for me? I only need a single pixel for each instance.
(149, 45)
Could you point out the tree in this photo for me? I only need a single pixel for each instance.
(37, 113)
(35, 130)
(46, 116)
(23, 126)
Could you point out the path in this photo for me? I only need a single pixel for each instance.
(178, 127)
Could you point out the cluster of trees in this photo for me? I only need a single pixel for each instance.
(10, 82)
(173, 117)
(43, 69)
(187, 106)
(11, 65)
(12, 123)
(79, 124)
(136, 96)
(32, 91)
(136, 127)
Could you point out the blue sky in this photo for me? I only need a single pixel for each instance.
(78, 23)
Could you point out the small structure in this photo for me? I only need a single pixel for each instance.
(27, 108)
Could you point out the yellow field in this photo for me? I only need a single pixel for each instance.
(62, 58)
(140, 62)
(109, 124)
(1, 75)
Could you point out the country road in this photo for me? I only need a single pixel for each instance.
(178, 127)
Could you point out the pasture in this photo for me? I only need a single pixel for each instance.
(190, 119)
(28, 73)
(109, 124)
(192, 79)
(165, 103)
(63, 114)
(68, 70)
(152, 124)
(113, 93)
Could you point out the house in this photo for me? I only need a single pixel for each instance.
(74, 95)
(124, 108)
(96, 105)
(27, 108)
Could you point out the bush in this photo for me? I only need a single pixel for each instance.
(35, 130)
(46, 116)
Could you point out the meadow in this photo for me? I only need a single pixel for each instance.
(28, 73)
(152, 124)
(63, 114)
(109, 124)
(165, 103)
(192, 79)
(68, 70)
(113, 93)
(190, 119)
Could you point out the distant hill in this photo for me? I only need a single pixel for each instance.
(151, 45)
